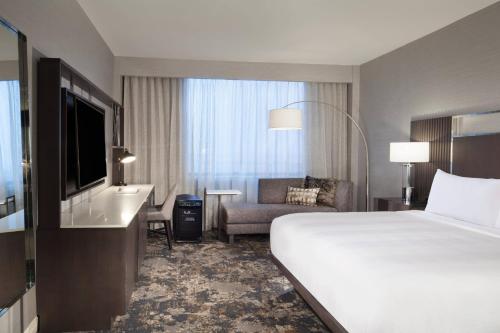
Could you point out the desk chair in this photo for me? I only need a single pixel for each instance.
(163, 215)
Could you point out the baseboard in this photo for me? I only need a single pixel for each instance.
(33, 326)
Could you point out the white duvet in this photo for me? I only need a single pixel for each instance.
(395, 271)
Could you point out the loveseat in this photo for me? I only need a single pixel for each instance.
(255, 218)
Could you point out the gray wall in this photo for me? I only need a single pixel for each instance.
(9, 69)
(57, 28)
(451, 71)
(61, 29)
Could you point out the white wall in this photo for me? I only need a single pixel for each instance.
(57, 28)
(454, 70)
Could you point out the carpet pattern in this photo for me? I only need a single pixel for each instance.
(214, 287)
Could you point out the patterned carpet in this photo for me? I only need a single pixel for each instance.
(214, 287)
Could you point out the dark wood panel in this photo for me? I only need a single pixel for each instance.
(477, 156)
(80, 278)
(49, 144)
(143, 233)
(437, 132)
(12, 267)
(131, 261)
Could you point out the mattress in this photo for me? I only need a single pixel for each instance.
(410, 271)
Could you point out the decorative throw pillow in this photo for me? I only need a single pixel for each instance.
(302, 196)
(327, 186)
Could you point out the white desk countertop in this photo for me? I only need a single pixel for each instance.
(108, 209)
(13, 222)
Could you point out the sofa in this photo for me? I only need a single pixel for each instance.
(255, 218)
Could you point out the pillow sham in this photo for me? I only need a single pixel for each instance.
(328, 188)
(475, 200)
(301, 196)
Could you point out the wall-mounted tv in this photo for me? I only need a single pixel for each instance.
(83, 144)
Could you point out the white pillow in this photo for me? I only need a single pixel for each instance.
(475, 200)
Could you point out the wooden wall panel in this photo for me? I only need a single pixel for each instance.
(437, 132)
(12, 267)
(477, 156)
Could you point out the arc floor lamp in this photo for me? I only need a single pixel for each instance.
(286, 118)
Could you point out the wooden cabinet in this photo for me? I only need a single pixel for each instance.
(86, 275)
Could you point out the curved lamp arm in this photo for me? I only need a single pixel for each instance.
(336, 109)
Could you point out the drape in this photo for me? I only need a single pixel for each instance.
(326, 130)
(11, 172)
(153, 131)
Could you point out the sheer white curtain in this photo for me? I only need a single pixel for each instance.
(11, 172)
(226, 140)
(153, 131)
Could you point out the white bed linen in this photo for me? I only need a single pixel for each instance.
(399, 272)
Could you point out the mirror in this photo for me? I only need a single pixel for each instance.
(16, 222)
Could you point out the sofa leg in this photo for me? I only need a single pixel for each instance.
(231, 239)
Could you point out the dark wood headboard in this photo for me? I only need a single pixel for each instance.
(468, 156)
(437, 132)
(477, 156)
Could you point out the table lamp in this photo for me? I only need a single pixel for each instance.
(123, 156)
(408, 153)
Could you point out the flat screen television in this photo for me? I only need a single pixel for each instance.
(84, 144)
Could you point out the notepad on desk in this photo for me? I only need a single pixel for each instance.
(127, 190)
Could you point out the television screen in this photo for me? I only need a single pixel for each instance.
(91, 145)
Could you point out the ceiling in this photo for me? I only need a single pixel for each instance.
(342, 32)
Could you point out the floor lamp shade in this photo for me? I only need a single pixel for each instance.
(285, 119)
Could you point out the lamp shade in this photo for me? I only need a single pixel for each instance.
(127, 157)
(285, 119)
(409, 152)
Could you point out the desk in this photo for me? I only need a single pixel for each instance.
(219, 194)
(87, 268)
(108, 209)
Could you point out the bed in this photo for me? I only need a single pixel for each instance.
(416, 271)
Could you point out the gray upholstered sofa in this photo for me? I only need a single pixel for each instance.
(255, 218)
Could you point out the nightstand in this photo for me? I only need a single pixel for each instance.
(395, 204)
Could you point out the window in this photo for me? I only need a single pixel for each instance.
(226, 138)
(11, 176)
